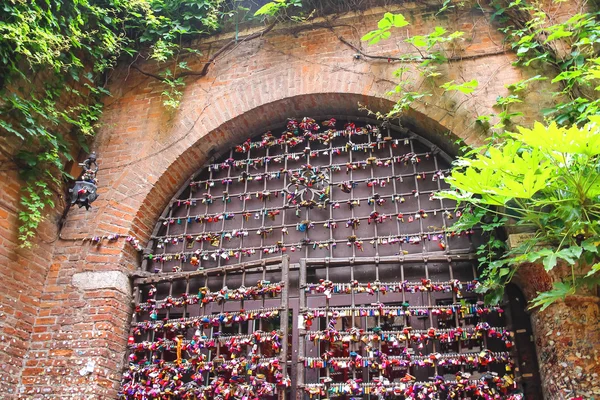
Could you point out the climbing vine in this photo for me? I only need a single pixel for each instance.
(56, 57)
(566, 53)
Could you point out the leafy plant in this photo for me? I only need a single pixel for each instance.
(568, 47)
(384, 27)
(54, 61)
(431, 52)
(545, 179)
(54, 57)
(465, 87)
(275, 7)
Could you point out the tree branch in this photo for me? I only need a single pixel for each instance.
(212, 59)
(158, 77)
(413, 60)
(223, 49)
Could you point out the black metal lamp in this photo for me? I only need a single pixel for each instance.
(84, 191)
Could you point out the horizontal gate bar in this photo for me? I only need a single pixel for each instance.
(141, 277)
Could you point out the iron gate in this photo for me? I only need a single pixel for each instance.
(316, 263)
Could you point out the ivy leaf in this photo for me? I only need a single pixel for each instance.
(591, 244)
(559, 291)
(550, 261)
(570, 254)
(417, 40)
(466, 87)
(559, 33)
(566, 75)
(386, 21)
(595, 268)
(390, 20)
(399, 21)
(376, 36)
(557, 139)
(268, 9)
(494, 296)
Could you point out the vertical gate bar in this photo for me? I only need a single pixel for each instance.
(352, 309)
(264, 277)
(222, 286)
(224, 209)
(429, 304)
(444, 224)
(166, 242)
(415, 173)
(301, 337)
(242, 300)
(284, 318)
(328, 344)
(406, 317)
(185, 228)
(212, 332)
(395, 192)
(244, 207)
(162, 354)
(284, 194)
(352, 207)
(136, 300)
(264, 208)
(376, 244)
(456, 318)
(379, 317)
(224, 283)
(330, 204)
(307, 211)
(187, 291)
(327, 320)
(206, 210)
(137, 296)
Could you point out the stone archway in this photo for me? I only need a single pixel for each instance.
(160, 262)
(134, 191)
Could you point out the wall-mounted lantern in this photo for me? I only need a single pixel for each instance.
(84, 191)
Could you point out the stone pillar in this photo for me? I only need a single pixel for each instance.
(567, 339)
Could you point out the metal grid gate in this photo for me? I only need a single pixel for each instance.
(228, 324)
(358, 191)
(303, 232)
(380, 328)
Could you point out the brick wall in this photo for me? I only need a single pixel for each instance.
(65, 337)
(22, 275)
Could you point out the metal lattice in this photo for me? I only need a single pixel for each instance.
(316, 263)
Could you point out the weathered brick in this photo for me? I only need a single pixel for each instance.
(146, 154)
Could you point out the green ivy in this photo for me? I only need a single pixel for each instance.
(568, 48)
(432, 53)
(54, 60)
(55, 57)
(276, 7)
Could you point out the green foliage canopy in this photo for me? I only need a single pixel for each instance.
(546, 179)
(54, 60)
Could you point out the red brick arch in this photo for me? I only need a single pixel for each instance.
(259, 120)
(147, 153)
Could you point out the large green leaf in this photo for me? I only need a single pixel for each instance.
(503, 174)
(559, 291)
(553, 138)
